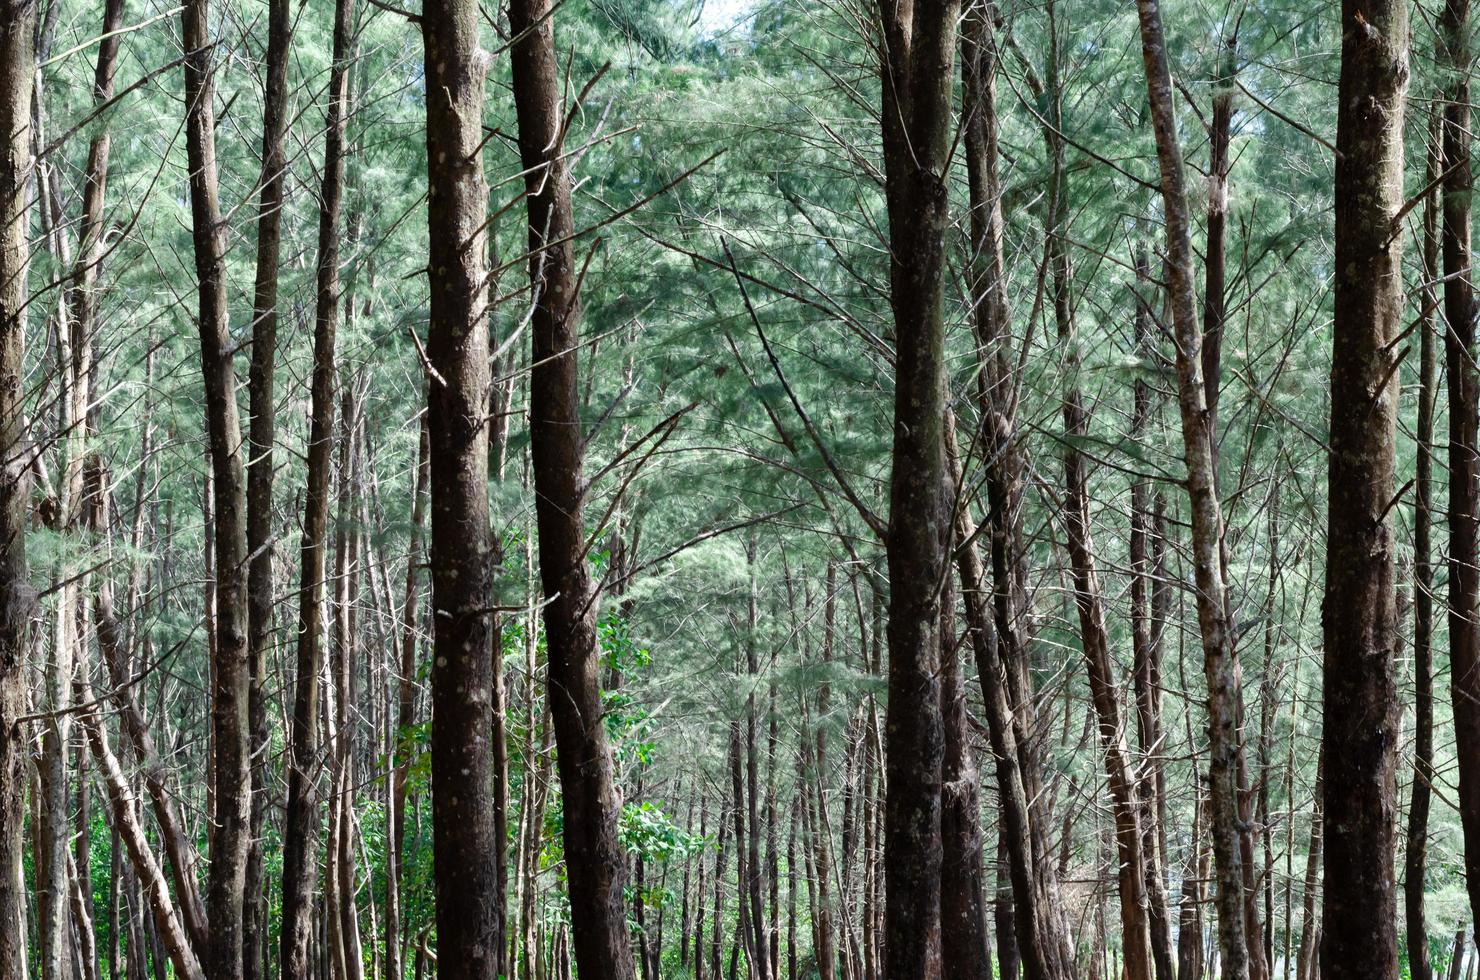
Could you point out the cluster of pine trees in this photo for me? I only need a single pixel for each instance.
(866, 490)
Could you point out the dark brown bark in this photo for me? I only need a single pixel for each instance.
(457, 346)
(918, 47)
(1360, 737)
(1415, 854)
(1200, 456)
(262, 427)
(1464, 441)
(230, 818)
(594, 859)
(301, 824)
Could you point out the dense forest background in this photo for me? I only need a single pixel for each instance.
(727, 500)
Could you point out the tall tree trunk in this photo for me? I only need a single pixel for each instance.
(917, 51)
(595, 862)
(17, 76)
(1088, 599)
(262, 429)
(1219, 658)
(457, 347)
(1415, 854)
(301, 824)
(1464, 443)
(230, 816)
(1360, 737)
(996, 610)
(1146, 640)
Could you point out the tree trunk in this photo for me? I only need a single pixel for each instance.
(405, 716)
(457, 347)
(301, 824)
(964, 947)
(262, 429)
(918, 48)
(1088, 600)
(1361, 733)
(1219, 658)
(594, 858)
(230, 816)
(1415, 854)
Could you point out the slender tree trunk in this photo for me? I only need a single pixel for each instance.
(301, 825)
(1219, 658)
(230, 816)
(964, 946)
(825, 948)
(1088, 599)
(1360, 737)
(1310, 922)
(1146, 640)
(1464, 410)
(1415, 854)
(594, 859)
(262, 411)
(405, 716)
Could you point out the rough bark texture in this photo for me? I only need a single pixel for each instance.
(918, 49)
(595, 862)
(457, 347)
(230, 817)
(1199, 454)
(1361, 731)
(17, 75)
(301, 824)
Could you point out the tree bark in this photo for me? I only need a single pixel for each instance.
(1219, 658)
(262, 428)
(917, 51)
(1360, 737)
(457, 347)
(1415, 854)
(230, 818)
(301, 824)
(594, 858)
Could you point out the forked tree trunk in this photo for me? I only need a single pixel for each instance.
(230, 817)
(1199, 455)
(595, 862)
(1361, 732)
